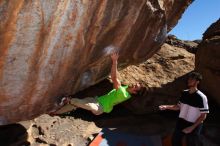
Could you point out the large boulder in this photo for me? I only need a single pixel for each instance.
(208, 61)
(53, 48)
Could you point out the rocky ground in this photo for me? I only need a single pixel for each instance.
(163, 76)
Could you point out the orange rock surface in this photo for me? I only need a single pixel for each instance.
(54, 48)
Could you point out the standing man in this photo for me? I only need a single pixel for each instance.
(105, 103)
(193, 108)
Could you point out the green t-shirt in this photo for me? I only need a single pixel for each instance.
(113, 98)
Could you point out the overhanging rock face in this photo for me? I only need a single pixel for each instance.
(54, 48)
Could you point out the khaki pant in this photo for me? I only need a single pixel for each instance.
(89, 103)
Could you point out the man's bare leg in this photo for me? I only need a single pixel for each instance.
(89, 103)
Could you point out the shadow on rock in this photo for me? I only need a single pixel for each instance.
(13, 135)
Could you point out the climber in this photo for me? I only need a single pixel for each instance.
(105, 103)
(193, 108)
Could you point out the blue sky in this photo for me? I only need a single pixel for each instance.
(196, 19)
